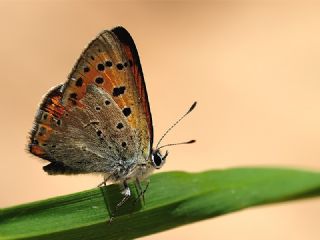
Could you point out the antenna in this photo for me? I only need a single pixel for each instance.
(173, 125)
(174, 144)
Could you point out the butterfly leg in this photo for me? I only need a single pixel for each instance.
(126, 194)
(105, 180)
(138, 188)
(141, 191)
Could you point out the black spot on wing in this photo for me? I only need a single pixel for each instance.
(120, 66)
(73, 95)
(86, 69)
(117, 91)
(126, 111)
(108, 64)
(99, 133)
(79, 82)
(99, 80)
(119, 125)
(100, 67)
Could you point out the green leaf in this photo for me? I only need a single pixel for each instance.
(173, 199)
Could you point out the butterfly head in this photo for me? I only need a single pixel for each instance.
(157, 159)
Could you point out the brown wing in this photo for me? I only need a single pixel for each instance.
(115, 69)
(132, 53)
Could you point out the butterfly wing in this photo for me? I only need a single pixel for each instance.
(96, 121)
(131, 51)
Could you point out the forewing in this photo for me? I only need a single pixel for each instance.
(131, 52)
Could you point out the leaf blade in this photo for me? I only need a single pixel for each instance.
(173, 199)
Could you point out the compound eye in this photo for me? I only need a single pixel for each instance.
(157, 160)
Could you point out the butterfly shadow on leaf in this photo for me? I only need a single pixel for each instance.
(112, 197)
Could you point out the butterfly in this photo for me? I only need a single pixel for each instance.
(99, 120)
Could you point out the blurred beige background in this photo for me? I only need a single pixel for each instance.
(254, 69)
